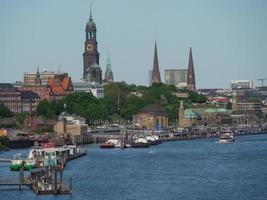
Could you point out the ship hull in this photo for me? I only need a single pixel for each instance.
(15, 167)
(140, 145)
(223, 141)
(107, 146)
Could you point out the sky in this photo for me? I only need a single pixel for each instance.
(228, 38)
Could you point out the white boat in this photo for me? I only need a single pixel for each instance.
(16, 162)
(116, 142)
(153, 139)
(226, 137)
(29, 164)
(140, 142)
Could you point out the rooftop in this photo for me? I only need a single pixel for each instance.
(153, 109)
(29, 95)
(7, 87)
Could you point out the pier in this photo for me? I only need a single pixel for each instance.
(47, 178)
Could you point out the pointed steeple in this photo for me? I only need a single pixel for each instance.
(91, 18)
(108, 74)
(191, 84)
(90, 27)
(155, 72)
(38, 79)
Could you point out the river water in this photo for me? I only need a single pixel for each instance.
(194, 169)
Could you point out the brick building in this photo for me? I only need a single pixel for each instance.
(10, 97)
(151, 117)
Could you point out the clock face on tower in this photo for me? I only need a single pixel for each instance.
(89, 47)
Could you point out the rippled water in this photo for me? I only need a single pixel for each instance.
(195, 169)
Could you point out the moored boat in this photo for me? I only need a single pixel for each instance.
(107, 145)
(16, 162)
(29, 164)
(140, 142)
(226, 137)
(153, 139)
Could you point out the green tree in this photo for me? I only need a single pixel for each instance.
(194, 97)
(81, 98)
(44, 109)
(229, 106)
(20, 117)
(172, 111)
(4, 111)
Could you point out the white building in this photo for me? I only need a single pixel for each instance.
(241, 84)
(87, 86)
(177, 77)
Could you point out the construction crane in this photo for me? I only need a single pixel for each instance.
(262, 81)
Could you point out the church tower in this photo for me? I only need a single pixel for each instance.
(108, 74)
(155, 72)
(38, 80)
(191, 83)
(91, 70)
(181, 115)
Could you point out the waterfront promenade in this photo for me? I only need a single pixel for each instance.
(100, 135)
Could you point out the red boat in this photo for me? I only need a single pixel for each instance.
(107, 146)
(48, 144)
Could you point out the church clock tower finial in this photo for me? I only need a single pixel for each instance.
(91, 18)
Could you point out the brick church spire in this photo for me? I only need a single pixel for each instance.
(191, 83)
(155, 72)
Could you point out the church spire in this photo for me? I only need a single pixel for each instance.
(108, 74)
(38, 72)
(91, 18)
(38, 80)
(191, 84)
(155, 72)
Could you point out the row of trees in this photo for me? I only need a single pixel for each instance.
(119, 102)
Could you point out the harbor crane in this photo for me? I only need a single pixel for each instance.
(262, 81)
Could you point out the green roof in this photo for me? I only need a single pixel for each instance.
(189, 114)
(210, 110)
(221, 110)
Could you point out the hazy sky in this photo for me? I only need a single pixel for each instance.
(229, 37)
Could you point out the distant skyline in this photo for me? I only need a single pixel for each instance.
(228, 38)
